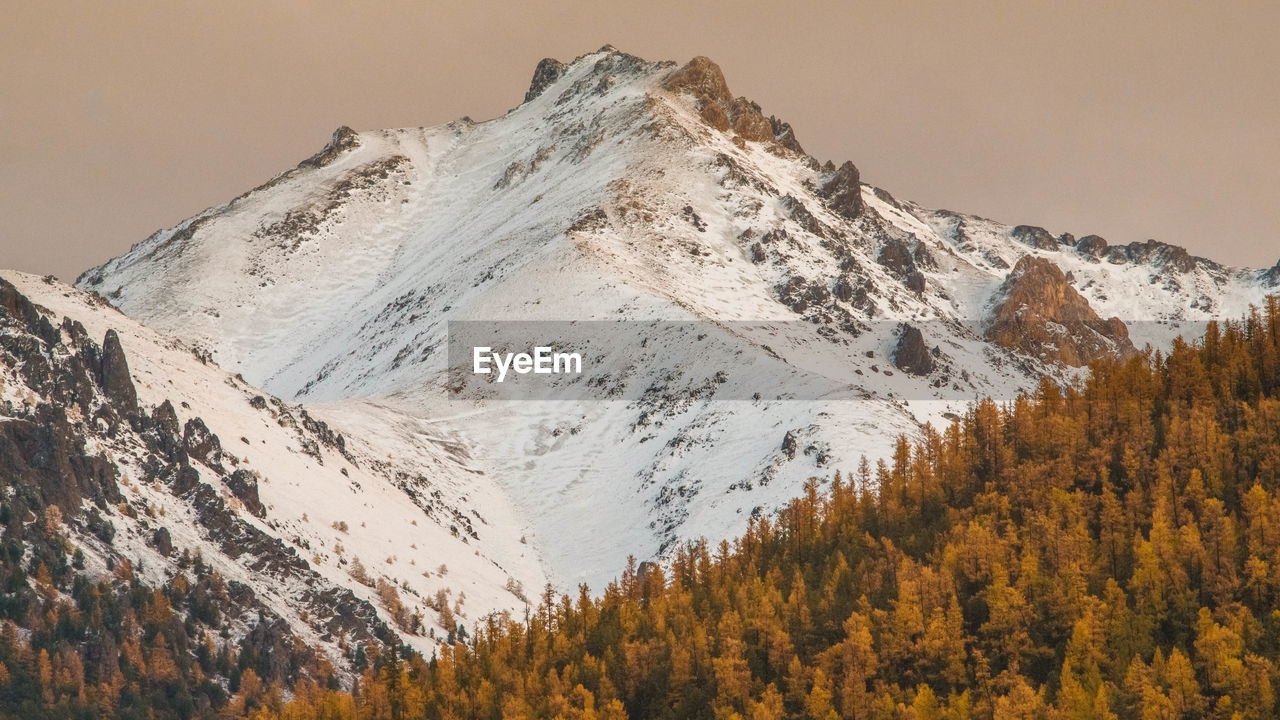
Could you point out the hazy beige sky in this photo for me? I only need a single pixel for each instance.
(1130, 120)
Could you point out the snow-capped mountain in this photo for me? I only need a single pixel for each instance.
(155, 455)
(633, 193)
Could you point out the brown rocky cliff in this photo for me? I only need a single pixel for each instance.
(703, 79)
(1041, 315)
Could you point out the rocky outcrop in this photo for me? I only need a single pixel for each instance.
(912, 355)
(548, 71)
(789, 445)
(1039, 314)
(797, 211)
(703, 79)
(898, 259)
(843, 191)
(115, 379)
(785, 136)
(1091, 245)
(1036, 237)
(1171, 257)
(201, 444)
(343, 139)
(162, 541)
(800, 294)
(244, 485)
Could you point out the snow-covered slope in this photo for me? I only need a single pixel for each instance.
(630, 192)
(307, 495)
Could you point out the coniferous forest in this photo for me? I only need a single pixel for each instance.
(1110, 550)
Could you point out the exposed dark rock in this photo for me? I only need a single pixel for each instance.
(1092, 245)
(548, 71)
(757, 253)
(798, 212)
(843, 191)
(343, 139)
(1118, 255)
(691, 215)
(15, 305)
(164, 431)
(911, 355)
(896, 257)
(244, 486)
(1067, 239)
(784, 135)
(885, 197)
(843, 289)
(166, 418)
(915, 282)
(114, 376)
(201, 444)
(1036, 237)
(1154, 252)
(800, 294)
(789, 445)
(1040, 314)
(46, 454)
(76, 334)
(162, 542)
(185, 479)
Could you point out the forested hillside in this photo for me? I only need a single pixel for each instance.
(1107, 551)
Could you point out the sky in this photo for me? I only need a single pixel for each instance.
(1131, 120)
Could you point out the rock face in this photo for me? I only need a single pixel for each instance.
(1036, 237)
(911, 354)
(1041, 315)
(703, 79)
(201, 444)
(1092, 245)
(843, 191)
(548, 71)
(344, 139)
(899, 260)
(116, 381)
(1171, 257)
(244, 486)
(63, 443)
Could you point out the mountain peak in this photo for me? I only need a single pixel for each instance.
(547, 72)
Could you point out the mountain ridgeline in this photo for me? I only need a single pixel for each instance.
(636, 191)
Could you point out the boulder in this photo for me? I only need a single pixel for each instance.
(911, 355)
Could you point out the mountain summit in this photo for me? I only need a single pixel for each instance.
(636, 192)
